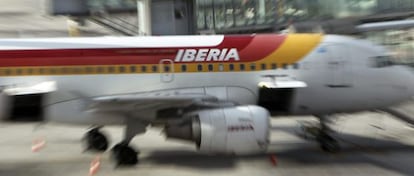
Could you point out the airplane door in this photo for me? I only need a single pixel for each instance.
(339, 66)
(166, 67)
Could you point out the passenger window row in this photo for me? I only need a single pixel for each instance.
(75, 70)
(140, 69)
(244, 67)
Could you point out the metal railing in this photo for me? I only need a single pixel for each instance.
(116, 24)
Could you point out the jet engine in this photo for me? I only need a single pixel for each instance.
(230, 130)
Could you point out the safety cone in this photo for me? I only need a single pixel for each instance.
(273, 159)
(95, 165)
(38, 144)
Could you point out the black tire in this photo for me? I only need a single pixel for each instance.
(96, 141)
(124, 155)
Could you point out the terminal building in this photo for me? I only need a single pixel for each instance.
(184, 17)
(224, 16)
(236, 16)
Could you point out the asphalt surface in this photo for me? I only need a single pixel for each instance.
(372, 144)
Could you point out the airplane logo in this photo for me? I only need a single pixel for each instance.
(207, 55)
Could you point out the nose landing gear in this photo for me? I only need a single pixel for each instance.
(320, 133)
(328, 143)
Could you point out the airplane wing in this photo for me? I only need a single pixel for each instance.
(143, 102)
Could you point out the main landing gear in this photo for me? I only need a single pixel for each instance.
(95, 140)
(122, 153)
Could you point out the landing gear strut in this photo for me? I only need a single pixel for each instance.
(326, 141)
(95, 141)
(122, 153)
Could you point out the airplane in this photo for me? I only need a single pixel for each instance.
(218, 92)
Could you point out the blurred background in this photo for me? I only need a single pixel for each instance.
(55, 18)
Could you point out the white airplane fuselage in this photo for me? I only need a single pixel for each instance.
(341, 75)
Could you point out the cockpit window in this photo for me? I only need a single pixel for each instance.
(383, 61)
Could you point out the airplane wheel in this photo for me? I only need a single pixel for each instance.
(124, 155)
(328, 144)
(95, 141)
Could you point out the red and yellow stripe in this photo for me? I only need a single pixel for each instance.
(254, 50)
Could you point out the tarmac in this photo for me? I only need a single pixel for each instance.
(372, 144)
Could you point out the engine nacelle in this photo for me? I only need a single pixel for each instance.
(233, 130)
